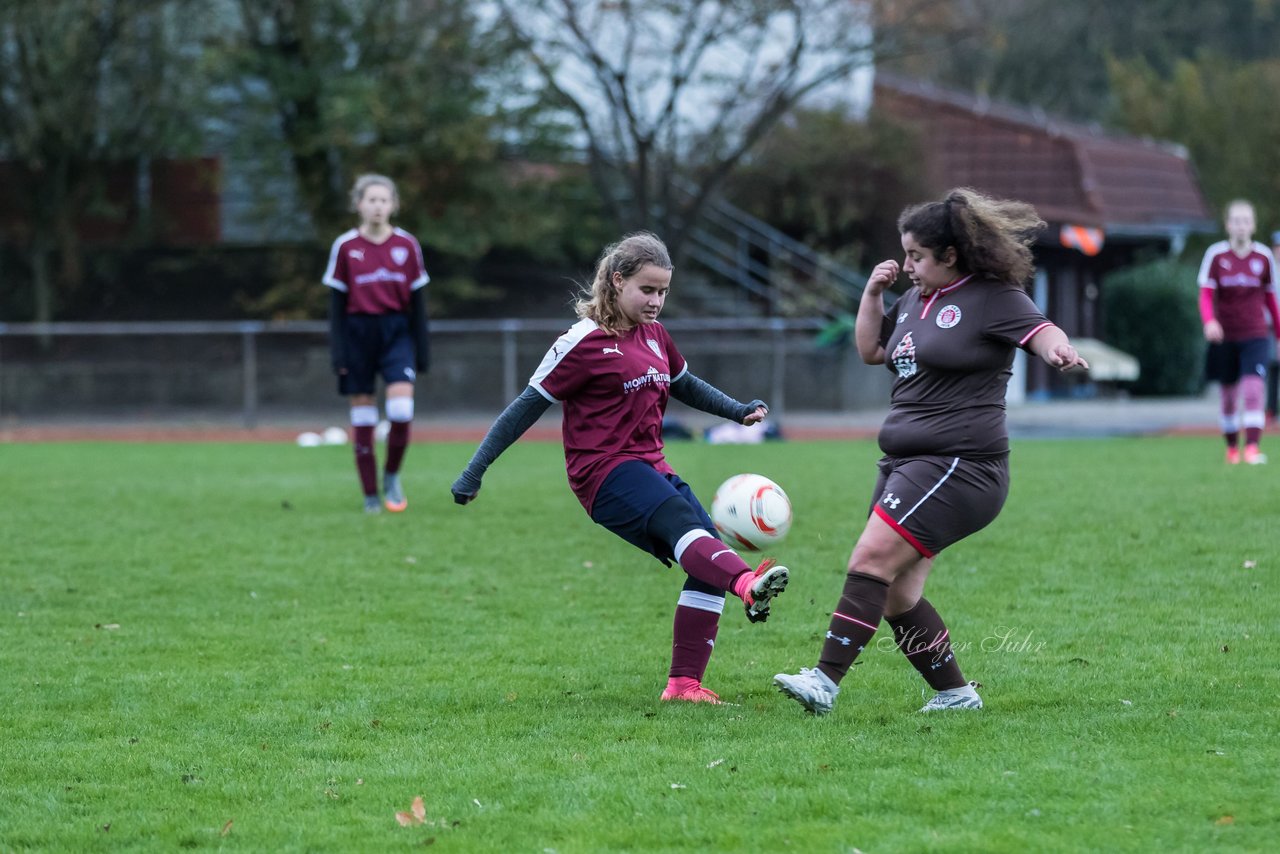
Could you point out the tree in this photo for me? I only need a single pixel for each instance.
(86, 85)
(1055, 55)
(422, 90)
(1224, 112)
(833, 182)
(668, 97)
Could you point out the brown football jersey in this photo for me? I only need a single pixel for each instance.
(952, 353)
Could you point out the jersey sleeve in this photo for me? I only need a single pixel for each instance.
(675, 360)
(1269, 274)
(562, 370)
(887, 324)
(1205, 277)
(335, 273)
(421, 277)
(1012, 316)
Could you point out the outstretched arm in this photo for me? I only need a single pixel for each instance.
(519, 416)
(1052, 345)
(701, 395)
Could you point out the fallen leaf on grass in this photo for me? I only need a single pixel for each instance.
(416, 815)
(106, 625)
(1126, 702)
(1250, 564)
(714, 763)
(679, 786)
(226, 828)
(1226, 819)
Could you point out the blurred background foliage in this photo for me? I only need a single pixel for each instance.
(307, 94)
(1149, 315)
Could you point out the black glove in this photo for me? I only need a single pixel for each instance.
(465, 488)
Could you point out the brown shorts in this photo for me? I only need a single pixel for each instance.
(936, 501)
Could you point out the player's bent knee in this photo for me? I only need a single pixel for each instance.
(400, 409)
(364, 416)
(673, 520)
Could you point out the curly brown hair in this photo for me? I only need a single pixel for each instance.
(599, 300)
(992, 237)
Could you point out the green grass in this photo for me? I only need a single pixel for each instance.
(192, 635)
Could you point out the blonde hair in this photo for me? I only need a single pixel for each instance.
(991, 237)
(371, 179)
(599, 300)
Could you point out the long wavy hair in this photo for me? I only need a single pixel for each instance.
(599, 300)
(991, 237)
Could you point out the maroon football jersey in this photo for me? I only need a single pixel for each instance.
(952, 353)
(614, 392)
(1240, 287)
(376, 277)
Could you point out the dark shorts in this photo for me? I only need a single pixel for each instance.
(376, 344)
(628, 497)
(936, 501)
(1227, 362)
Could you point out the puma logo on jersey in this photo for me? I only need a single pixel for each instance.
(613, 349)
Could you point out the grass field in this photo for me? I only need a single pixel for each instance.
(209, 646)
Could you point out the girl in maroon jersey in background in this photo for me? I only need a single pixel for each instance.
(1237, 291)
(613, 372)
(378, 326)
(950, 342)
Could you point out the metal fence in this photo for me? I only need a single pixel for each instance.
(257, 371)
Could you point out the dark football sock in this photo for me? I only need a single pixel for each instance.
(397, 444)
(712, 562)
(366, 459)
(693, 637)
(853, 623)
(925, 641)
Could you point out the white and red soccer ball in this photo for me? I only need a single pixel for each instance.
(751, 512)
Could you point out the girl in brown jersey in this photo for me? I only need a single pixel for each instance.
(950, 340)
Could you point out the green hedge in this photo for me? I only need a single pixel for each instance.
(1150, 311)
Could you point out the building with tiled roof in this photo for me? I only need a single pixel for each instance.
(1106, 197)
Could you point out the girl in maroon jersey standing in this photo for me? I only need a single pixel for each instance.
(613, 372)
(378, 327)
(950, 342)
(1237, 291)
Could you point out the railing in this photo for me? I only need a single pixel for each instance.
(478, 365)
(789, 277)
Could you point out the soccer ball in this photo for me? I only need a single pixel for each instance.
(751, 512)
